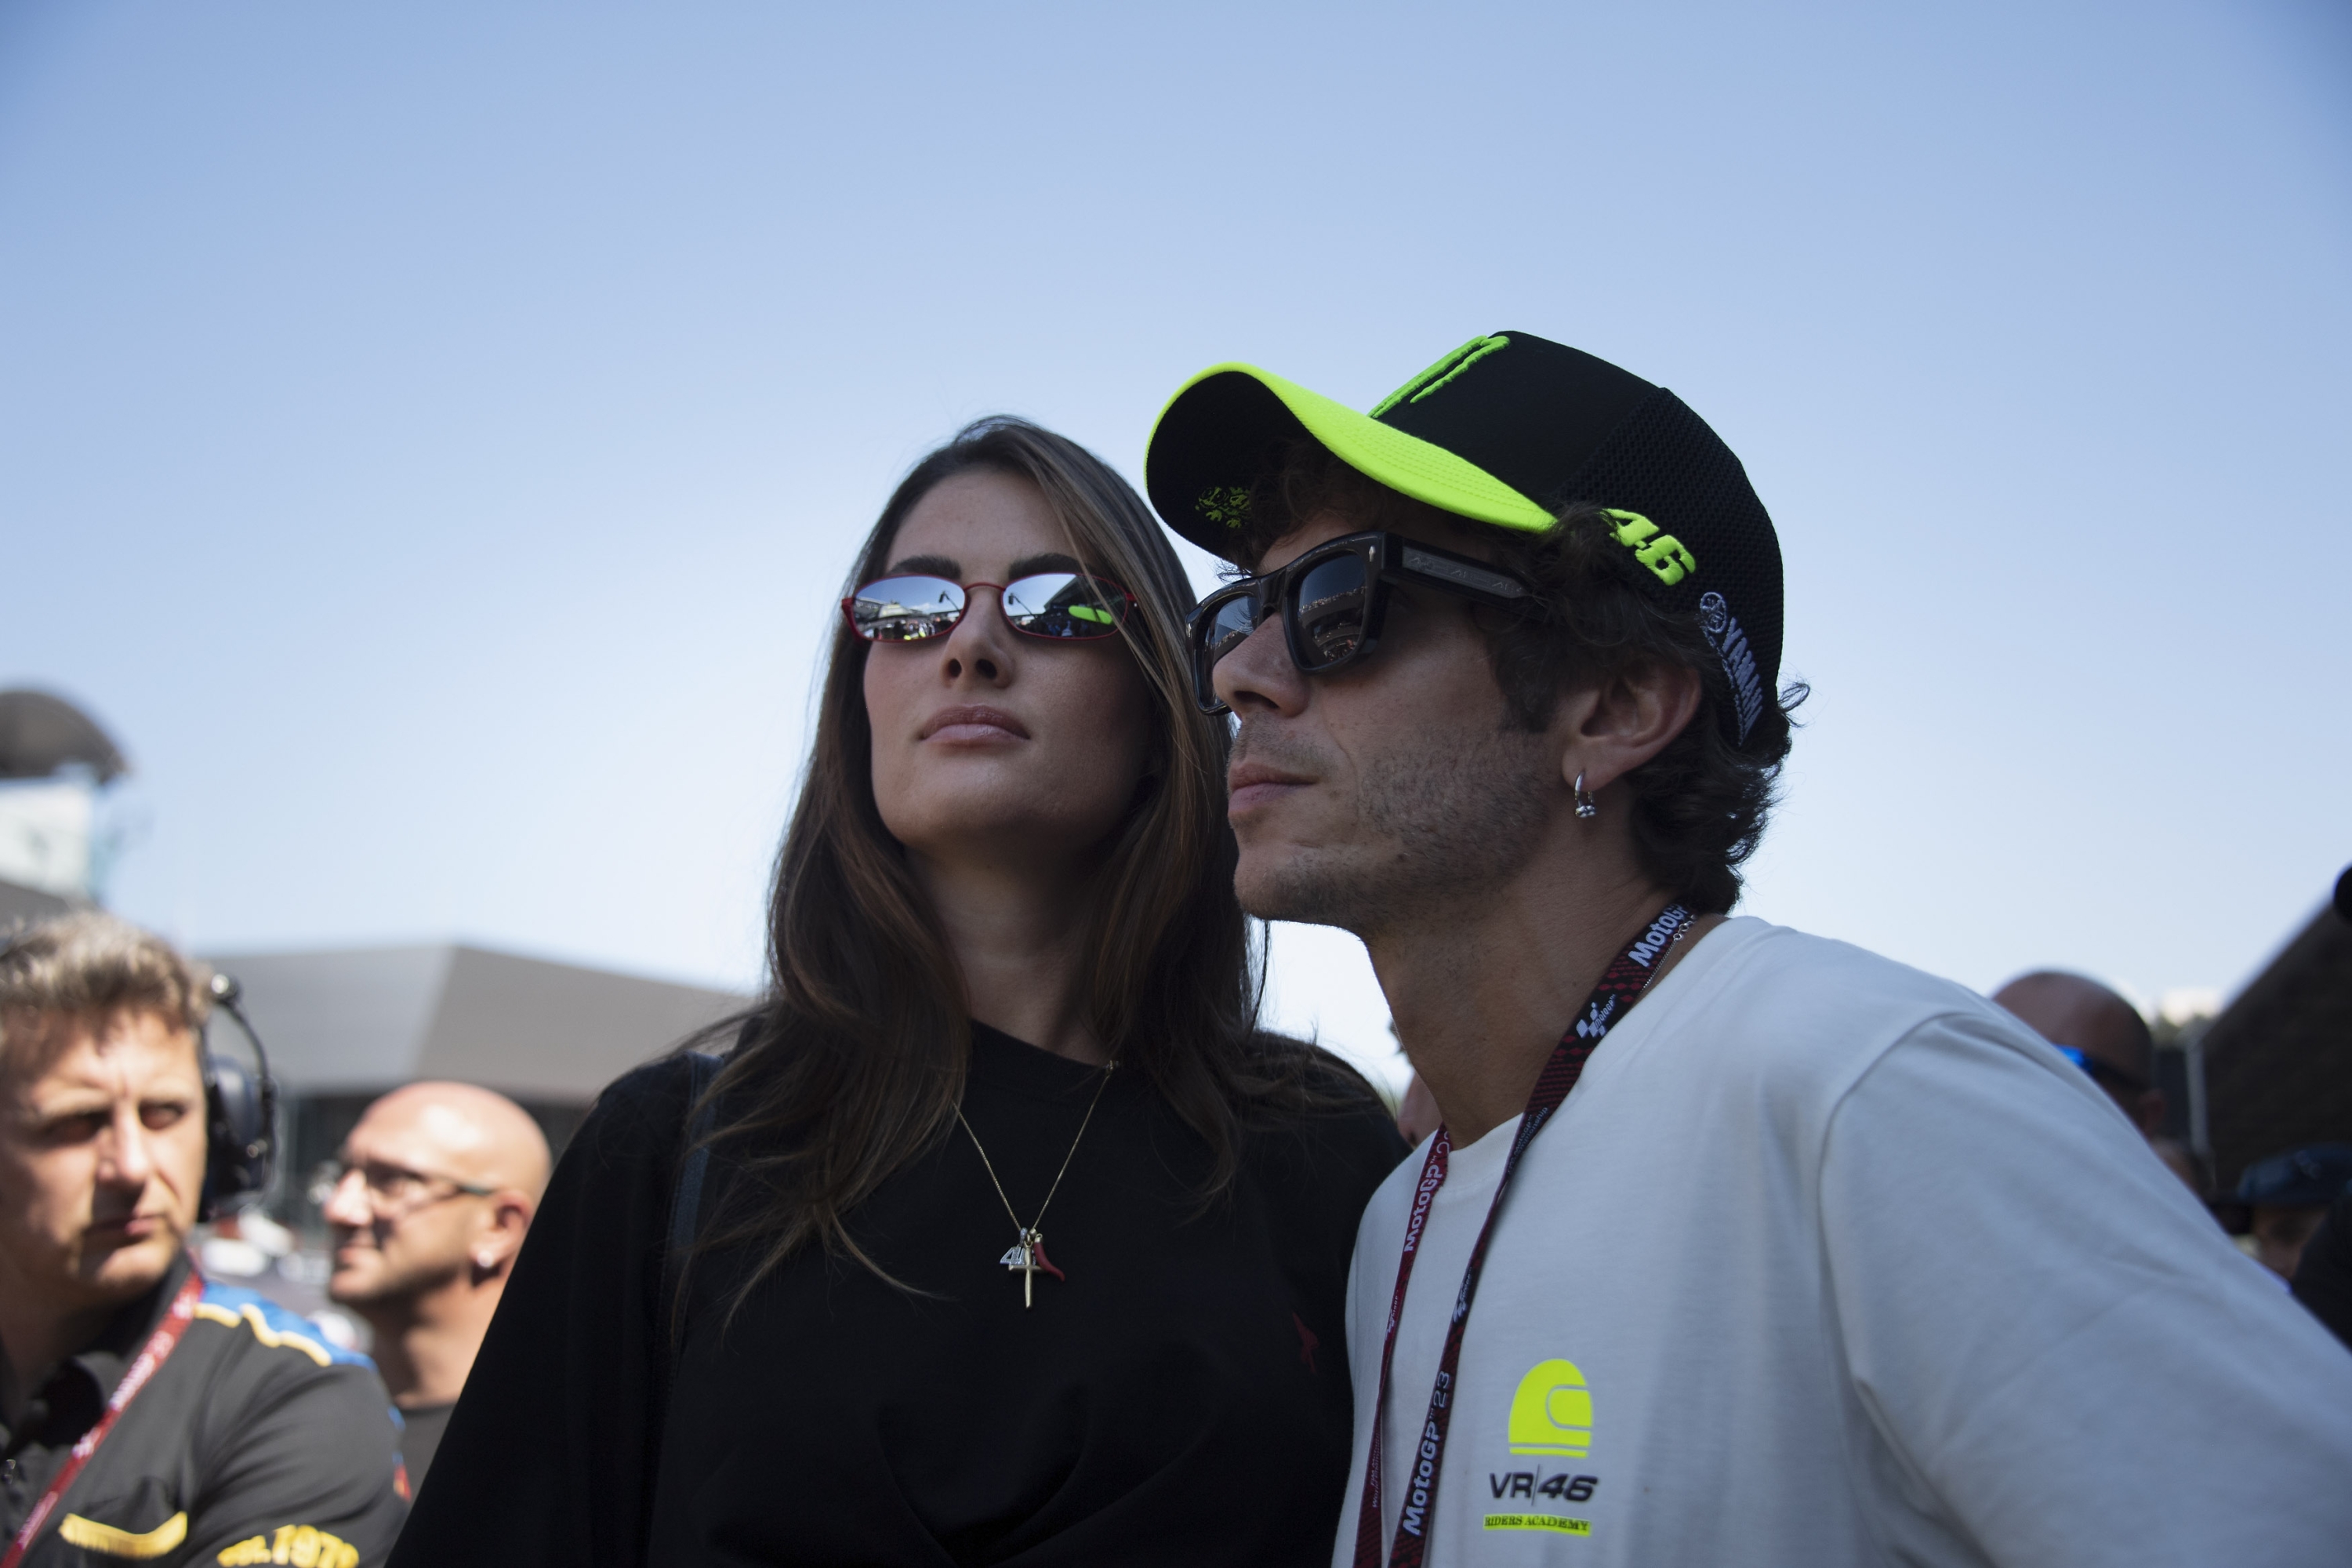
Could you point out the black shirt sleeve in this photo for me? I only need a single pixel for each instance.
(313, 1462)
(548, 1456)
(2323, 1281)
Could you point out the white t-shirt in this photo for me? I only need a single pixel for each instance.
(1826, 1261)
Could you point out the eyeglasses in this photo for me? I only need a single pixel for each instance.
(393, 1192)
(2103, 1073)
(1063, 607)
(1334, 600)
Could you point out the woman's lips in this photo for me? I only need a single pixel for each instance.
(972, 724)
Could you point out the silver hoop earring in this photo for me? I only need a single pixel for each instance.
(1586, 809)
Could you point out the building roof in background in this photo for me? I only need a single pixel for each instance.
(2278, 1061)
(41, 734)
(368, 1019)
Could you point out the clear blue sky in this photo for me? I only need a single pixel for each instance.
(432, 435)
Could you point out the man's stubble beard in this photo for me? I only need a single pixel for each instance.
(1448, 819)
(392, 1285)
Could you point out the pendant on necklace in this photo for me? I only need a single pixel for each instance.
(1028, 1256)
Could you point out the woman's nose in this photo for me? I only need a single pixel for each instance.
(981, 645)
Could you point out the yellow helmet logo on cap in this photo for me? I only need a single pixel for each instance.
(1552, 1412)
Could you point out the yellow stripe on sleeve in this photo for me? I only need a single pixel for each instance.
(92, 1536)
(251, 1318)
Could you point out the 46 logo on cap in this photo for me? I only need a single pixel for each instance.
(1660, 552)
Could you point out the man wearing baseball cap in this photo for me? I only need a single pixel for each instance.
(2281, 1201)
(1735, 1245)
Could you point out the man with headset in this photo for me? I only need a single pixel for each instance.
(146, 1413)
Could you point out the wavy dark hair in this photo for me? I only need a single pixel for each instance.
(1700, 805)
(854, 1063)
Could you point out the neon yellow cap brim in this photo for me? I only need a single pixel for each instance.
(1213, 437)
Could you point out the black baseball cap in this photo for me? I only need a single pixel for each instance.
(1511, 430)
(2309, 1177)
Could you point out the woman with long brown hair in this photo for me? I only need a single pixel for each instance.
(1003, 1236)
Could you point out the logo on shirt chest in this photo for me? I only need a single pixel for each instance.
(1552, 1412)
(303, 1545)
(1550, 1417)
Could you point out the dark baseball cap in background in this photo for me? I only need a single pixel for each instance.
(2309, 1177)
(1511, 430)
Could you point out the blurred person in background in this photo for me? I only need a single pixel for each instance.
(1004, 1235)
(2104, 1035)
(429, 1201)
(2097, 1030)
(2323, 1277)
(146, 1413)
(2280, 1202)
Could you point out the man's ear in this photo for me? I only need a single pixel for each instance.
(495, 1248)
(1617, 725)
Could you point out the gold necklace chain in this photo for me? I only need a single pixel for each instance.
(1027, 1252)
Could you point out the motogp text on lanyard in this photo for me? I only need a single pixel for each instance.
(154, 1354)
(1620, 984)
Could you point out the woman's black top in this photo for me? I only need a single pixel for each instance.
(1182, 1396)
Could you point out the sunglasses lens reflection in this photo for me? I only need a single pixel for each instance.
(1329, 601)
(1220, 628)
(1067, 604)
(906, 609)
(1228, 625)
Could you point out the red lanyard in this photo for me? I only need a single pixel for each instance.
(152, 1355)
(1619, 985)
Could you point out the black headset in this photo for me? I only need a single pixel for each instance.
(240, 1115)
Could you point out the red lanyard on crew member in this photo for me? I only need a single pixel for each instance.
(152, 1355)
(1620, 984)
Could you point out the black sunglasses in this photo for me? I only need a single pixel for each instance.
(1333, 600)
(1063, 606)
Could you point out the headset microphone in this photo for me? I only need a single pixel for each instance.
(241, 1115)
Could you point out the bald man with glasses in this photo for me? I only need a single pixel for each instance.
(429, 1202)
(2104, 1035)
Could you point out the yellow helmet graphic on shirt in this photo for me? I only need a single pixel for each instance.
(1552, 1412)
